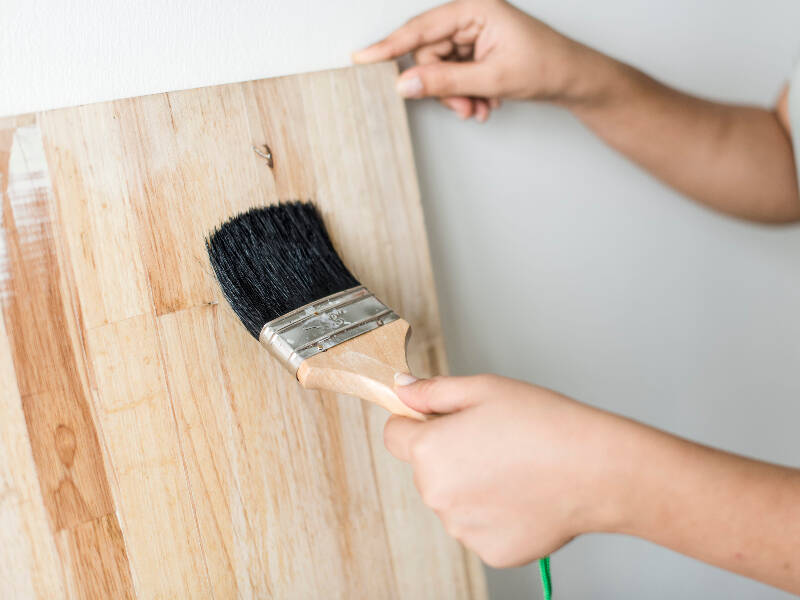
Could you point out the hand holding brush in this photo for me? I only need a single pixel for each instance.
(514, 471)
(286, 283)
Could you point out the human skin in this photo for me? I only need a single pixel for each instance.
(515, 471)
(473, 53)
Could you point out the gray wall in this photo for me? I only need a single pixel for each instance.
(560, 263)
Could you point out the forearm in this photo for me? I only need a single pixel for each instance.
(733, 512)
(735, 159)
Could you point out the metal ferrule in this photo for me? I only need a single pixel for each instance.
(323, 324)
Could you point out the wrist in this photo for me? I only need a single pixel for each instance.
(620, 495)
(596, 81)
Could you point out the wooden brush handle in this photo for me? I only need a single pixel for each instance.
(364, 367)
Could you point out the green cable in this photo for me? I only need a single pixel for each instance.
(544, 575)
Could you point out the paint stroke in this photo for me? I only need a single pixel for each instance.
(28, 190)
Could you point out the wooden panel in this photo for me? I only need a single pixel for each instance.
(43, 337)
(144, 398)
(38, 324)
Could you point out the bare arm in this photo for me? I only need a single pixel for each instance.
(735, 159)
(473, 53)
(739, 514)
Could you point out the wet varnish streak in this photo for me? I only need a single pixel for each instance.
(43, 341)
(149, 447)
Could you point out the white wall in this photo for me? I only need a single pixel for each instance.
(556, 260)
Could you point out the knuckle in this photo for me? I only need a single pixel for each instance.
(433, 490)
(412, 32)
(436, 496)
(437, 80)
(436, 493)
(429, 387)
(393, 46)
(421, 449)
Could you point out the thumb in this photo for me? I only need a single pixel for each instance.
(442, 79)
(437, 395)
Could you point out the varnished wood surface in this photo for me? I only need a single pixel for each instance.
(149, 447)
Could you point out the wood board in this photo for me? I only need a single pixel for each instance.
(149, 447)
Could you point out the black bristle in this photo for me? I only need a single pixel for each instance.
(272, 260)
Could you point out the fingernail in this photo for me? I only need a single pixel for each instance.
(402, 379)
(410, 87)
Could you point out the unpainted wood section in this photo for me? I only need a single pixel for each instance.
(377, 226)
(213, 452)
(189, 167)
(438, 561)
(283, 508)
(367, 187)
(50, 371)
(155, 506)
(368, 205)
(325, 426)
(277, 117)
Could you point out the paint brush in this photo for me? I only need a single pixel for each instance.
(278, 270)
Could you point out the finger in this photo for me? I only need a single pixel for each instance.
(461, 105)
(432, 26)
(431, 53)
(495, 103)
(441, 395)
(468, 34)
(398, 434)
(481, 110)
(445, 79)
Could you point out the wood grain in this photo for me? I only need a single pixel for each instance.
(150, 447)
(51, 378)
(32, 569)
